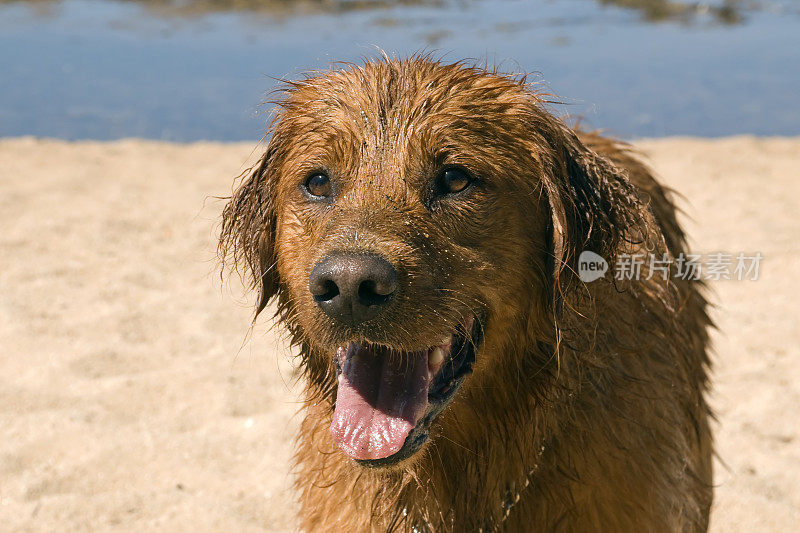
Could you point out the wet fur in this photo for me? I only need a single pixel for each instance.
(586, 409)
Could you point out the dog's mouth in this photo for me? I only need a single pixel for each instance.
(387, 399)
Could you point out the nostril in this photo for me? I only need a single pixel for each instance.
(368, 293)
(329, 291)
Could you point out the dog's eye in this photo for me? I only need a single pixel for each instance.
(453, 180)
(319, 185)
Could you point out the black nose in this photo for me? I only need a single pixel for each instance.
(353, 287)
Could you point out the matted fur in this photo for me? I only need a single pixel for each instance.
(586, 409)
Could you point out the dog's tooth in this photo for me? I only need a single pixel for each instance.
(435, 357)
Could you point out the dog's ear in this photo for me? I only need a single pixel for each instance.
(247, 237)
(593, 206)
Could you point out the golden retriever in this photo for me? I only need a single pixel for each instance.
(420, 226)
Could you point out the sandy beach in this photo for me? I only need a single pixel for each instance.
(134, 395)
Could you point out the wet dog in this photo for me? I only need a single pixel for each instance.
(420, 226)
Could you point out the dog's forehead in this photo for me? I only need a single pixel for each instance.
(397, 122)
(395, 97)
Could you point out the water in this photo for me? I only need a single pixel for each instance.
(81, 69)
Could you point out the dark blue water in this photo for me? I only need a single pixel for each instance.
(102, 69)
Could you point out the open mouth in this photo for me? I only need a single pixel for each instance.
(387, 400)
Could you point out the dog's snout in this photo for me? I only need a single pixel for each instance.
(353, 287)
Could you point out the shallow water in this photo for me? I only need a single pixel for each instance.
(198, 70)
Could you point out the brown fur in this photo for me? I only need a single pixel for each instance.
(586, 409)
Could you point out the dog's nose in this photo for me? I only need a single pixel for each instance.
(353, 287)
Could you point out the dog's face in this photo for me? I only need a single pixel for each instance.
(405, 214)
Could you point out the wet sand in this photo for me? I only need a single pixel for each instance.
(132, 397)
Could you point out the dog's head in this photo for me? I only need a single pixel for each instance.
(417, 222)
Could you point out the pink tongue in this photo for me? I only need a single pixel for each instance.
(380, 399)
